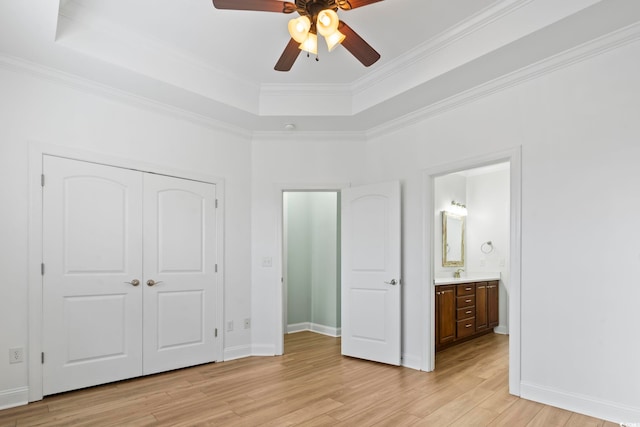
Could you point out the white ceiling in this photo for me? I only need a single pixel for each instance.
(217, 65)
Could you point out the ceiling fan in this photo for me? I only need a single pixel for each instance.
(316, 17)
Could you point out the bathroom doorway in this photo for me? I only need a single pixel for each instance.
(311, 262)
(485, 194)
(504, 253)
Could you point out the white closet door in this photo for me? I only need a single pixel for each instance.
(92, 248)
(179, 269)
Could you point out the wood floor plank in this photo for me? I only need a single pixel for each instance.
(550, 417)
(311, 385)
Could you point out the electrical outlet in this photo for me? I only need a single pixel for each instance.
(16, 355)
(267, 261)
(247, 323)
(230, 326)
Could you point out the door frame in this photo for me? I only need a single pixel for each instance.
(281, 291)
(34, 277)
(514, 158)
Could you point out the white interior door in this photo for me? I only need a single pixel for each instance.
(371, 297)
(130, 274)
(179, 269)
(92, 253)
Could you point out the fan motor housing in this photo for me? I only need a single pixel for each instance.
(312, 8)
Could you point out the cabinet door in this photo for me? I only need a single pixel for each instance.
(481, 306)
(493, 313)
(445, 315)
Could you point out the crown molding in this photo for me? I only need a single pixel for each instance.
(89, 86)
(318, 136)
(556, 62)
(446, 38)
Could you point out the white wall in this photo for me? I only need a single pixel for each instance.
(34, 109)
(579, 134)
(488, 200)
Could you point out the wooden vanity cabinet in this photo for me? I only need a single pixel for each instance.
(465, 311)
(493, 314)
(445, 315)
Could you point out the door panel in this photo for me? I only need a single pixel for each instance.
(371, 272)
(92, 246)
(179, 256)
(102, 321)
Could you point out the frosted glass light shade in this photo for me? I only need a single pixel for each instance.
(327, 22)
(334, 39)
(310, 44)
(299, 28)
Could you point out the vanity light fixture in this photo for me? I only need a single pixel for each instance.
(458, 208)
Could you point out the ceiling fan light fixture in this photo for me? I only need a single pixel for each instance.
(310, 44)
(299, 28)
(334, 39)
(327, 22)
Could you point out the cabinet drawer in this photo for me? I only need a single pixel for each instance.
(465, 289)
(466, 327)
(466, 301)
(465, 313)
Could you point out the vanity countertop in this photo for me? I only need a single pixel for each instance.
(475, 277)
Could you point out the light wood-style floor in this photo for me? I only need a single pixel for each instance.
(311, 385)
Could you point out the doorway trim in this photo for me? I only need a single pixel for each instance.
(514, 158)
(279, 191)
(35, 243)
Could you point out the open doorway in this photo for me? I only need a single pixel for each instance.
(311, 262)
(481, 197)
(509, 255)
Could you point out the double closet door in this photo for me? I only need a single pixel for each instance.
(129, 284)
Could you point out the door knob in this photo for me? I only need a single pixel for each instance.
(134, 282)
(392, 282)
(152, 282)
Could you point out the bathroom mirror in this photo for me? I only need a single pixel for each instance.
(452, 240)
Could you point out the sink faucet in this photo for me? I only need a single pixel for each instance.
(456, 274)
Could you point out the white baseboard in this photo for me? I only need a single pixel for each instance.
(412, 362)
(314, 327)
(298, 327)
(581, 404)
(237, 352)
(14, 397)
(501, 330)
(263, 350)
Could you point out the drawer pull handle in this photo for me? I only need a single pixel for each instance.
(468, 312)
(468, 300)
(468, 326)
(467, 289)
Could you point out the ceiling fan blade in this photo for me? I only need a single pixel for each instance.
(352, 4)
(357, 46)
(258, 5)
(288, 57)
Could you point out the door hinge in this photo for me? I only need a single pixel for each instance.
(42, 269)
(42, 180)
(216, 333)
(216, 203)
(216, 268)
(42, 357)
